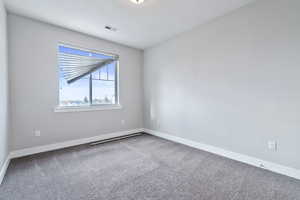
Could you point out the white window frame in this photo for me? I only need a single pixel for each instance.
(91, 107)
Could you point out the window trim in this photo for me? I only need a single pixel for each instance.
(90, 107)
(66, 109)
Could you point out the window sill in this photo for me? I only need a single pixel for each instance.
(62, 109)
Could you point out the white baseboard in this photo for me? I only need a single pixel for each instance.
(61, 145)
(288, 171)
(280, 169)
(3, 169)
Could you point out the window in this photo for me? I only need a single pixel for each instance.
(87, 78)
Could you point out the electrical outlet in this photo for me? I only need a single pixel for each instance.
(158, 123)
(123, 122)
(272, 145)
(37, 133)
(152, 112)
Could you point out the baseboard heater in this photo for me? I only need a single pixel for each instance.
(116, 138)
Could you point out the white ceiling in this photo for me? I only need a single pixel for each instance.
(139, 26)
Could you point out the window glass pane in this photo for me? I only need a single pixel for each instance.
(96, 75)
(103, 92)
(111, 71)
(75, 94)
(103, 73)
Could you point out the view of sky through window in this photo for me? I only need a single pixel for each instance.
(102, 84)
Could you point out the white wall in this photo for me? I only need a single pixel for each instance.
(232, 83)
(35, 86)
(4, 115)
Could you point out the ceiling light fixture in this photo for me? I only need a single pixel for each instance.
(137, 1)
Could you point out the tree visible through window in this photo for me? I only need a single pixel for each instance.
(98, 87)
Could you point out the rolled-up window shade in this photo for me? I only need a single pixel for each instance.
(74, 67)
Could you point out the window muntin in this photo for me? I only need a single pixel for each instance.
(97, 88)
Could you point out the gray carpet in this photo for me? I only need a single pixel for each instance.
(141, 168)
